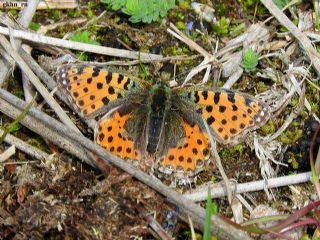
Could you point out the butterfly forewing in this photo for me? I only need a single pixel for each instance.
(229, 114)
(90, 89)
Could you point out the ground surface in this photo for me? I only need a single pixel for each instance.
(66, 199)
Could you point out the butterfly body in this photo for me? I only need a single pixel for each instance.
(155, 120)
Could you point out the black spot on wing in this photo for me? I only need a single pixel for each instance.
(205, 95)
(231, 97)
(120, 78)
(196, 95)
(96, 72)
(108, 78)
(222, 109)
(216, 97)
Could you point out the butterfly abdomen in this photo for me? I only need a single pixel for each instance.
(154, 133)
(159, 104)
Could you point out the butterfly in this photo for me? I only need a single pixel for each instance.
(144, 119)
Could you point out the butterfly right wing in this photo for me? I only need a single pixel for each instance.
(90, 89)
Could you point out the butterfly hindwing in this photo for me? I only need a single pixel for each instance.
(90, 89)
(191, 152)
(230, 114)
(112, 135)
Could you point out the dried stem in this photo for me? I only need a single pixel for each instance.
(218, 191)
(40, 39)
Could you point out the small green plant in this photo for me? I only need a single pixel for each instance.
(146, 11)
(222, 28)
(211, 209)
(249, 60)
(84, 37)
(55, 15)
(34, 26)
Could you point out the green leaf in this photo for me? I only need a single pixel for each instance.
(146, 11)
(84, 37)
(249, 60)
(211, 209)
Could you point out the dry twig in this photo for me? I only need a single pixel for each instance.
(40, 39)
(302, 38)
(217, 190)
(7, 153)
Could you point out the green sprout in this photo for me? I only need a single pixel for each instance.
(249, 60)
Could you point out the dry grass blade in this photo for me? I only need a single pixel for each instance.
(24, 19)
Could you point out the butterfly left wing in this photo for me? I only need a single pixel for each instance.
(91, 89)
(230, 114)
(190, 154)
(111, 134)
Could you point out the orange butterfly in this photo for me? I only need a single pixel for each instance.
(154, 119)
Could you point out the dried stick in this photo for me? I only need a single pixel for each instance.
(24, 19)
(303, 40)
(28, 88)
(40, 39)
(218, 191)
(219, 163)
(25, 147)
(45, 28)
(7, 153)
(51, 135)
(12, 106)
(38, 85)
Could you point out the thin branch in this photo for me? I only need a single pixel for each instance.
(25, 147)
(217, 158)
(7, 153)
(220, 227)
(24, 19)
(40, 39)
(218, 191)
(153, 222)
